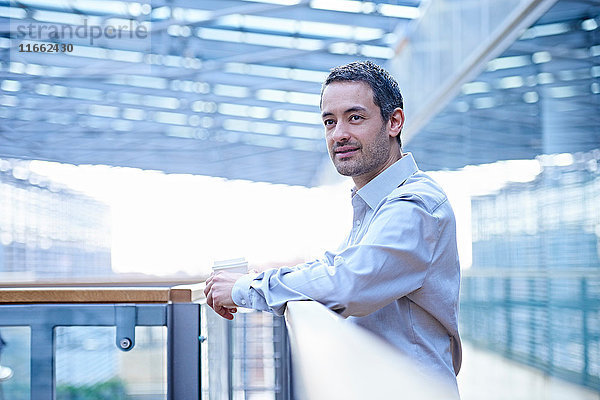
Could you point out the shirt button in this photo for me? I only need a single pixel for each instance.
(243, 302)
(357, 222)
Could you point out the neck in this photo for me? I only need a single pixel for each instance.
(361, 180)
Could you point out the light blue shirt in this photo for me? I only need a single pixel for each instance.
(397, 274)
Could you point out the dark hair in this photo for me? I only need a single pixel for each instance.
(386, 93)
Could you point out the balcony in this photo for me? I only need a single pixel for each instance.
(158, 342)
(103, 342)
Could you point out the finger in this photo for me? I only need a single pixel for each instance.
(219, 310)
(209, 285)
(210, 277)
(209, 280)
(209, 300)
(223, 312)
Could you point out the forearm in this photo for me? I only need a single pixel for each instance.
(389, 262)
(361, 280)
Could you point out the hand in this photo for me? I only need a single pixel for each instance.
(218, 293)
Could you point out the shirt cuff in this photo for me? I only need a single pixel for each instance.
(240, 294)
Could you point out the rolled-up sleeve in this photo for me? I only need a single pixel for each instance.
(390, 261)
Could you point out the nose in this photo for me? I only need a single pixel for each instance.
(340, 133)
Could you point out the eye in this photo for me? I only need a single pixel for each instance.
(355, 118)
(328, 122)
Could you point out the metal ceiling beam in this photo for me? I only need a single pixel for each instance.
(243, 8)
(503, 37)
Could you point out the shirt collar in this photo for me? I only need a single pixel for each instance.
(389, 179)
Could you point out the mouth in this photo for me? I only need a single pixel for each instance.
(345, 151)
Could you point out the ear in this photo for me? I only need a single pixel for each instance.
(396, 122)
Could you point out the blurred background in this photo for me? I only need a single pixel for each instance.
(144, 140)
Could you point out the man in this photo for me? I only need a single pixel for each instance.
(397, 274)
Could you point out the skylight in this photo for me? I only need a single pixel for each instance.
(508, 62)
(366, 7)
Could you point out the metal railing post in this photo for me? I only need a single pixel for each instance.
(42, 362)
(283, 366)
(183, 325)
(229, 351)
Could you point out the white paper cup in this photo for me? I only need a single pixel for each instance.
(239, 265)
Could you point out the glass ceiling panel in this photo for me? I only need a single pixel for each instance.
(146, 84)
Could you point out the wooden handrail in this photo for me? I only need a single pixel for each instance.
(42, 295)
(336, 359)
(84, 295)
(187, 293)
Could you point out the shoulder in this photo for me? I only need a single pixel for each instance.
(421, 189)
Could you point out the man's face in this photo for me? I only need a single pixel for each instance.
(359, 141)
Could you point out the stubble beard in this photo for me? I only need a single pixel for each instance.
(370, 157)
